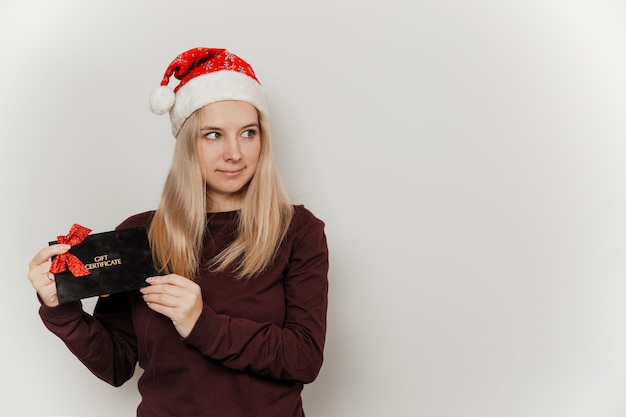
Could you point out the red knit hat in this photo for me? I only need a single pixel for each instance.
(206, 75)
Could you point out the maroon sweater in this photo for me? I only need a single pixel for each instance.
(255, 344)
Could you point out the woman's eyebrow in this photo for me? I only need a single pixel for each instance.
(209, 128)
(248, 126)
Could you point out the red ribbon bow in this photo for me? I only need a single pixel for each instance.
(66, 260)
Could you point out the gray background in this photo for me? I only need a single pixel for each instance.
(466, 156)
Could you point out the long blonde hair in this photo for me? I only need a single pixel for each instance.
(177, 230)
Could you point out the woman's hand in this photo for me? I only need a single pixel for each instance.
(40, 276)
(175, 297)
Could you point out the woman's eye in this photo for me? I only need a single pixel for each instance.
(249, 133)
(212, 135)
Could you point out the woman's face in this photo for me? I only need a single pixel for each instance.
(228, 151)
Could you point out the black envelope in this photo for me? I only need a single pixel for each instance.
(117, 261)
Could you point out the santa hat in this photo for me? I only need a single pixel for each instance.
(206, 75)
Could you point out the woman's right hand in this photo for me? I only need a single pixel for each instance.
(40, 276)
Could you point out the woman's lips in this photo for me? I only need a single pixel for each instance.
(230, 173)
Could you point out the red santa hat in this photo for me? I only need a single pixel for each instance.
(206, 75)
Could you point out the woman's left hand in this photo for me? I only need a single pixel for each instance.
(175, 297)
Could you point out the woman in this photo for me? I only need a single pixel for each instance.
(235, 323)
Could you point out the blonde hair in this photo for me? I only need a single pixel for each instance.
(178, 228)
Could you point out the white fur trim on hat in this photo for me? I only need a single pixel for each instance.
(214, 87)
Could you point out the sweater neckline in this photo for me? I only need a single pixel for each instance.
(222, 215)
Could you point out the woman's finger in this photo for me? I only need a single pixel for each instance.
(48, 252)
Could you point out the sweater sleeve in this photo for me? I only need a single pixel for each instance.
(293, 351)
(104, 343)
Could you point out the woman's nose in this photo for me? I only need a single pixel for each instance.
(232, 151)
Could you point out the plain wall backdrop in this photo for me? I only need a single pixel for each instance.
(468, 158)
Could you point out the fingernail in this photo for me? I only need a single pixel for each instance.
(149, 280)
(66, 247)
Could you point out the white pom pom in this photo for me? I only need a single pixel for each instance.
(162, 100)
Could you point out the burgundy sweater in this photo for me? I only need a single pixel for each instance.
(255, 344)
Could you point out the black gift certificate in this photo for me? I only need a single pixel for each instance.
(117, 261)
